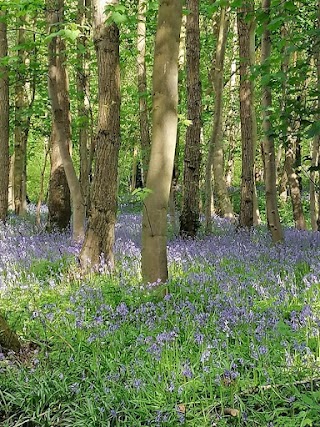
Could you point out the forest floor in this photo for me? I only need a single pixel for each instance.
(235, 342)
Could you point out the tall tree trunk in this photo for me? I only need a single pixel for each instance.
(142, 88)
(4, 120)
(84, 109)
(231, 127)
(268, 142)
(222, 201)
(189, 219)
(59, 95)
(99, 238)
(245, 23)
(314, 176)
(164, 134)
(8, 339)
(23, 104)
(59, 204)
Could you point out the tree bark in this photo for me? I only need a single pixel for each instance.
(4, 120)
(84, 108)
(189, 219)
(99, 237)
(245, 23)
(164, 134)
(59, 95)
(59, 204)
(23, 103)
(222, 203)
(142, 88)
(314, 176)
(268, 142)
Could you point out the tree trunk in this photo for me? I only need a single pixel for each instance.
(59, 205)
(314, 176)
(142, 88)
(294, 185)
(22, 122)
(99, 238)
(4, 120)
(268, 142)
(84, 109)
(245, 23)
(222, 203)
(189, 219)
(59, 95)
(164, 134)
(8, 339)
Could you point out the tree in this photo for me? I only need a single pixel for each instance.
(245, 29)
(84, 108)
(8, 339)
(222, 203)
(164, 133)
(142, 87)
(4, 119)
(99, 238)
(59, 96)
(268, 142)
(189, 219)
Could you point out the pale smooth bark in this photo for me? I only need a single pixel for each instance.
(84, 108)
(59, 95)
(222, 203)
(97, 249)
(248, 134)
(268, 142)
(164, 134)
(4, 120)
(189, 219)
(142, 88)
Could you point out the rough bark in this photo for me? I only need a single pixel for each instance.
(164, 133)
(245, 23)
(59, 95)
(189, 219)
(4, 121)
(268, 142)
(142, 88)
(8, 339)
(99, 237)
(84, 108)
(222, 203)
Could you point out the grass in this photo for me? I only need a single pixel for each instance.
(234, 343)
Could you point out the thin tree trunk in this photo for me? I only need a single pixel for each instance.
(189, 219)
(4, 120)
(222, 201)
(245, 24)
(99, 239)
(22, 122)
(314, 176)
(268, 142)
(59, 95)
(164, 134)
(41, 192)
(84, 109)
(142, 88)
